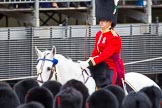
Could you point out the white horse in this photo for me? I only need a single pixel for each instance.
(137, 81)
(52, 66)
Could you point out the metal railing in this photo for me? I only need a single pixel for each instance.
(142, 45)
(121, 2)
(32, 1)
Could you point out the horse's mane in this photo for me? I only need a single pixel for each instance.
(62, 58)
(67, 57)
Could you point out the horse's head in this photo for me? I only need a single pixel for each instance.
(66, 69)
(46, 64)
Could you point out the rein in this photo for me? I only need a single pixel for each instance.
(85, 71)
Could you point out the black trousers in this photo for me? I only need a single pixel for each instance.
(102, 75)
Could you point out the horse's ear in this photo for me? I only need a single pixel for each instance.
(39, 53)
(53, 50)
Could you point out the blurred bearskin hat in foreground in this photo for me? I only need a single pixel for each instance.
(107, 10)
(118, 92)
(53, 86)
(155, 95)
(8, 98)
(136, 100)
(32, 104)
(68, 98)
(78, 85)
(102, 98)
(21, 88)
(41, 95)
(5, 84)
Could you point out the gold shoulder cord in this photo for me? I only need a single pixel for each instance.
(99, 42)
(114, 33)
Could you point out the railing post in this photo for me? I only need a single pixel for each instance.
(131, 30)
(150, 26)
(36, 14)
(157, 25)
(93, 13)
(70, 31)
(123, 2)
(8, 33)
(88, 41)
(51, 41)
(149, 11)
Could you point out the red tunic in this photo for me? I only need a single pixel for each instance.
(106, 45)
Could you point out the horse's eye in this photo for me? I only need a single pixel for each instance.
(48, 69)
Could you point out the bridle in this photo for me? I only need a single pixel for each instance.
(53, 69)
(85, 79)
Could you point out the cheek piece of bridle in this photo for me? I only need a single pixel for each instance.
(53, 69)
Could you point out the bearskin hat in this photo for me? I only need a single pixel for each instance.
(78, 85)
(40, 94)
(53, 86)
(8, 98)
(118, 92)
(5, 84)
(154, 94)
(31, 105)
(136, 100)
(22, 87)
(105, 11)
(68, 98)
(102, 99)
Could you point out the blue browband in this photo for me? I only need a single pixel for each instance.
(54, 61)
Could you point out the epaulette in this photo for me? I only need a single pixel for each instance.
(114, 33)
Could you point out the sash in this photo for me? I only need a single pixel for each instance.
(119, 67)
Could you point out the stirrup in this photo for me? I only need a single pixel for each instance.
(97, 88)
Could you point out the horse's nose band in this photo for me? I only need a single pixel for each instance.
(54, 61)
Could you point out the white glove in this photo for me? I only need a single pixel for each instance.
(83, 64)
